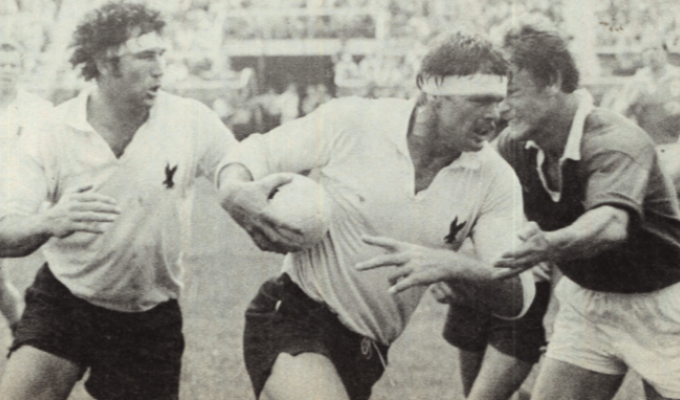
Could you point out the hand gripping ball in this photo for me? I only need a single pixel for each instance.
(303, 204)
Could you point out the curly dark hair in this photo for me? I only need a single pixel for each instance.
(544, 54)
(108, 26)
(460, 54)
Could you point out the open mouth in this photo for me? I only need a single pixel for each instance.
(482, 133)
(153, 91)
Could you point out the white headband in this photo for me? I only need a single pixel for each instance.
(465, 85)
(138, 44)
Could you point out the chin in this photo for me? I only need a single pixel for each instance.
(519, 131)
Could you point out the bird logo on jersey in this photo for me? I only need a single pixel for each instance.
(453, 231)
(169, 174)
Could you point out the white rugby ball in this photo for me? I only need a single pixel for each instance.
(303, 204)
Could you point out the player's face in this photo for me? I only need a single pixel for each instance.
(10, 69)
(464, 123)
(527, 105)
(138, 75)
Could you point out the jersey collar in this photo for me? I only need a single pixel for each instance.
(572, 150)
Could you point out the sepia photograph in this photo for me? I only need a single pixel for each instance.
(340, 199)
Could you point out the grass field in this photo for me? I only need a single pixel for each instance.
(224, 272)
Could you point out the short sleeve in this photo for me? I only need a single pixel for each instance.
(619, 179)
(215, 141)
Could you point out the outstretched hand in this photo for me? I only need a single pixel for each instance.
(535, 248)
(246, 202)
(419, 265)
(81, 210)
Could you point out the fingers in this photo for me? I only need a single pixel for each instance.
(89, 227)
(509, 273)
(93, 217)
(96, 207)
(529, 230)
(272, 182)
(264, 243)
(384, 260)
(93, 197)
(441, 292)
(83, 188)
(384, 242)
(406, 283)
(270, 223)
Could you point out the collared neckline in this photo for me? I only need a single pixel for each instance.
(572, 149)
(76, 113)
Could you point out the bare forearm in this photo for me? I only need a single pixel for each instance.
(594, 232)
(226, 177)
(234, 172)
(21, 235)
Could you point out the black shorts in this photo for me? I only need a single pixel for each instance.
(130, 355)
(472, 330)
(283, 319)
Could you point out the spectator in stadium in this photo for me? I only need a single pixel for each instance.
(409, 181)
(652, 99)
(600, 208)
(118, 166)
(289, 103)
(19, 110)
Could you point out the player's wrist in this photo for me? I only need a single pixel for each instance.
(43, 225)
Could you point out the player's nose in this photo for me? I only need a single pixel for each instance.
(159, 64)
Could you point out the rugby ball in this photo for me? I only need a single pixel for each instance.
(303, 204)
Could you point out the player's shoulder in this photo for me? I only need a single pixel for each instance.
(608, 131)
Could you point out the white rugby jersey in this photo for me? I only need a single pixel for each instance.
(359, 148)
(136, 263)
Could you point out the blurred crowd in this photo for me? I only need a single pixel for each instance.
(199, 29)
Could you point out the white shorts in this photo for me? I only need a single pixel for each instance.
(611, 332)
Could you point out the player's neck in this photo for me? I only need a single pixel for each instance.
(554, 134)
(118, 116)
(427, 155)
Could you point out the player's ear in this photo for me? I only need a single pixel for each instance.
(103, 64)
(555, 85)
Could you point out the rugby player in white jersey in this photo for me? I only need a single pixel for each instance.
(408, 181)
(119, 167)
(18, 109)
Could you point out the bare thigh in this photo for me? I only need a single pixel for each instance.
(500, 376)
(305, 376)
(559, 380)
(33, 374)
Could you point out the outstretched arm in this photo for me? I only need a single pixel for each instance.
(472, 280)
(596, 231)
